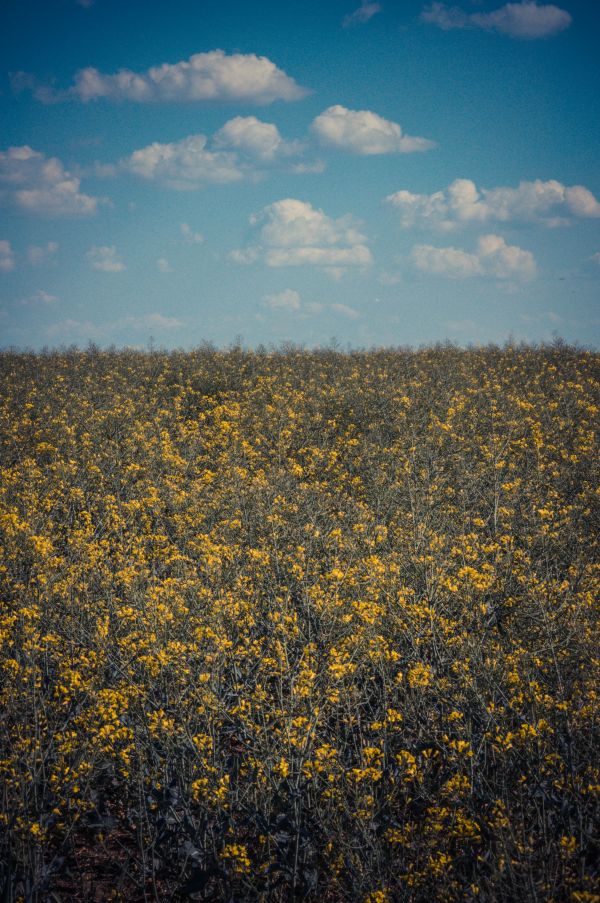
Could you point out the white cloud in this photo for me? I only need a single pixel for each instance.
(213, 76)
(596, 258)
(154, 321)
(528, 20)
(463, 203)
(450, 262)
(505, 261)
(493, 258)
(41, 185)
(7, 257)
(361, 15)
(163, 265)
(316, 166)
(258, 139)
(40, 297)
(37, 254)
(293, 233)
(241, 149)
(364, 132)
(86, 330)
(543, 316)
(581, 202)
(245, 256)
(293, 223)
(289, 301)
(105, 259)
(356, 255)
(189, 236)
(184, 165)
(286, 300)
(345, 311)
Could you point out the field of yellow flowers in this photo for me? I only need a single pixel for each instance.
(299, 625)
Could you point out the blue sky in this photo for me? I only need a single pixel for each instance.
(384, 173)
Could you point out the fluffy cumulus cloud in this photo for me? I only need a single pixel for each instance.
(41, 185)
(528, 20)
(105, 258)
(363, 14)
(493, 257)
(258, 139)
(364, 132)
(463, 203)
(212, 76)
(184, 165)
(7, 256)
(242, 149)
(163, 265)
(293, 233)
(38, 254)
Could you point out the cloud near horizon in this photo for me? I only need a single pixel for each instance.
(527, 20)
(493, 258)
(463, 203)
(205, 77)
(288, 300)
(87, 330)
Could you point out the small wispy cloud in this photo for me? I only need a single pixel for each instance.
(345, 311)
(7, 257)
(288, 300)
(40, 298)
(105, 258)
(527, 20)
(86, 330)
(38, 254)
(163, 265)
(363, 14)
(189, 236)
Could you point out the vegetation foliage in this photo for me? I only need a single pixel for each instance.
(299, 625)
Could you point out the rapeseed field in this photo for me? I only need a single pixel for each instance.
(300, 625)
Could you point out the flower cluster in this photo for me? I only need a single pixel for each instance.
(294, 624)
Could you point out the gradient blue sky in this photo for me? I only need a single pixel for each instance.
(391, 173)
